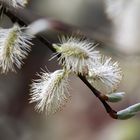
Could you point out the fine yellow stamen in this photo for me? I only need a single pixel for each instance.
(10, 42)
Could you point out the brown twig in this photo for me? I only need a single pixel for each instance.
(15, 16)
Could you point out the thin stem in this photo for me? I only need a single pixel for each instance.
(101, 97)
(11, 13)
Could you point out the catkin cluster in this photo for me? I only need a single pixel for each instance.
(77, 56)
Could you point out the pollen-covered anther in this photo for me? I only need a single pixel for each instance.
(50, 92)
(14, 47)
(76, 54)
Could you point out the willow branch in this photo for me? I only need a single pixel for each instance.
(25, 17)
